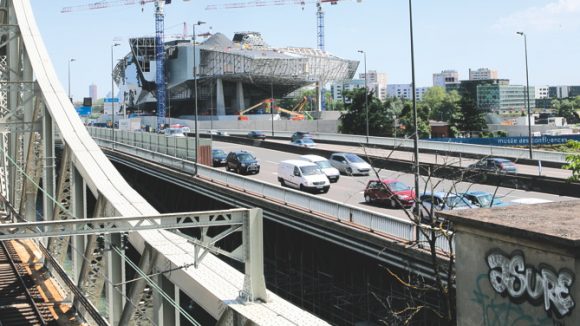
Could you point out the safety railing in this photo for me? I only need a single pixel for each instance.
(507, 152)
(154, 147)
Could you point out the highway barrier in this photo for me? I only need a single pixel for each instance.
(155, 150)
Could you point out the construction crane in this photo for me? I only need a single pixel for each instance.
(159, 43)
(265, 3)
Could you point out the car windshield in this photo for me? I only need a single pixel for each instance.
(307, 141)
(323, 164)
(398, 186)
(485, 200)
(455, 201)
(246, 157)
(310, 170)
(353, 158)
(258, 133)
(218, 152)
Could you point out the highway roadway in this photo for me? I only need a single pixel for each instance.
(349, 189)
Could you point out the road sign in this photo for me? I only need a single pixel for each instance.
(109, 100)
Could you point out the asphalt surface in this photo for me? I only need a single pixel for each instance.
(349, 189)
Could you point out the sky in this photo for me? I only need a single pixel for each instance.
(448, 34)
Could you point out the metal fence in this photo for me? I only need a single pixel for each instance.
(177, 153)
(483, 150)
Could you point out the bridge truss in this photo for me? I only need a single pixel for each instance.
(82, 196)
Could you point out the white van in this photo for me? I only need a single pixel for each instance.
(302, 175)
(331, 172)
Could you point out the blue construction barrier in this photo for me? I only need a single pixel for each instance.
(511, 141)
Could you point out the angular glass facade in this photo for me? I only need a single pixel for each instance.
(499, 98)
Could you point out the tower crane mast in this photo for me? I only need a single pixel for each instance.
(159, 43)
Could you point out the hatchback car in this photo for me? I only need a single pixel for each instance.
(350, 164)
(256, 134)
(242, 162)
(300, 135)
(389, 192)
(441, 201)
(304, 142)
(483, 199)
(495, 164)
(218, 157)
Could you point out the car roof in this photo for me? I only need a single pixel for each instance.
(313, 158)
(440, 194)
(299, 163)
(499, 159)
(386, 181)
(477, 193)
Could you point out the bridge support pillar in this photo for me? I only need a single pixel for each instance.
(254, 282)
(79, 209)
(220, 98)
(146, 264)
(115, 289)
(239, 96)
(48, 178)
(164, 313)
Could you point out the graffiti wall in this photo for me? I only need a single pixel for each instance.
(509, 281)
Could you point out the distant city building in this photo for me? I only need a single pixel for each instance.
(93, 92)
(376, 82)
(541, 92)
(445, 77)
(468, 88)
(563, 91)
(482, 74)
(337, 88)
(500, 98)
(405, 91)
(375, 77)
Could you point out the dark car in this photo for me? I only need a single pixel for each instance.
(483, 199)
(299, 135)
(389, 192)
(242, 162)
(255, 134)
(218, 157)
(495, 164)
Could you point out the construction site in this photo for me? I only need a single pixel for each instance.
(236, 79)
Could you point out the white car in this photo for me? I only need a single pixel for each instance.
(218, 132)
(331, 172)
(174, 132)
(304, 142)
(350, 164)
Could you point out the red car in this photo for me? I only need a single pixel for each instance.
(383, 192)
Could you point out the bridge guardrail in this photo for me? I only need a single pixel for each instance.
(508, 152)
(164, 153)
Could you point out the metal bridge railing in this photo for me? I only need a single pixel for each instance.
(508, 152)
(158, 148)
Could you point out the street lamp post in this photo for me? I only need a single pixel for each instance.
(413, 90)
(272, 105)
(69, 62)
(113, 91)
(528, 94)
(195, 93)
(366, 93)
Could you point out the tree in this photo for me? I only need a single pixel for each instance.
(470, 118)
(445, 106)
(423, 112)
(566, 110)
(573, 160)
(381, 116)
